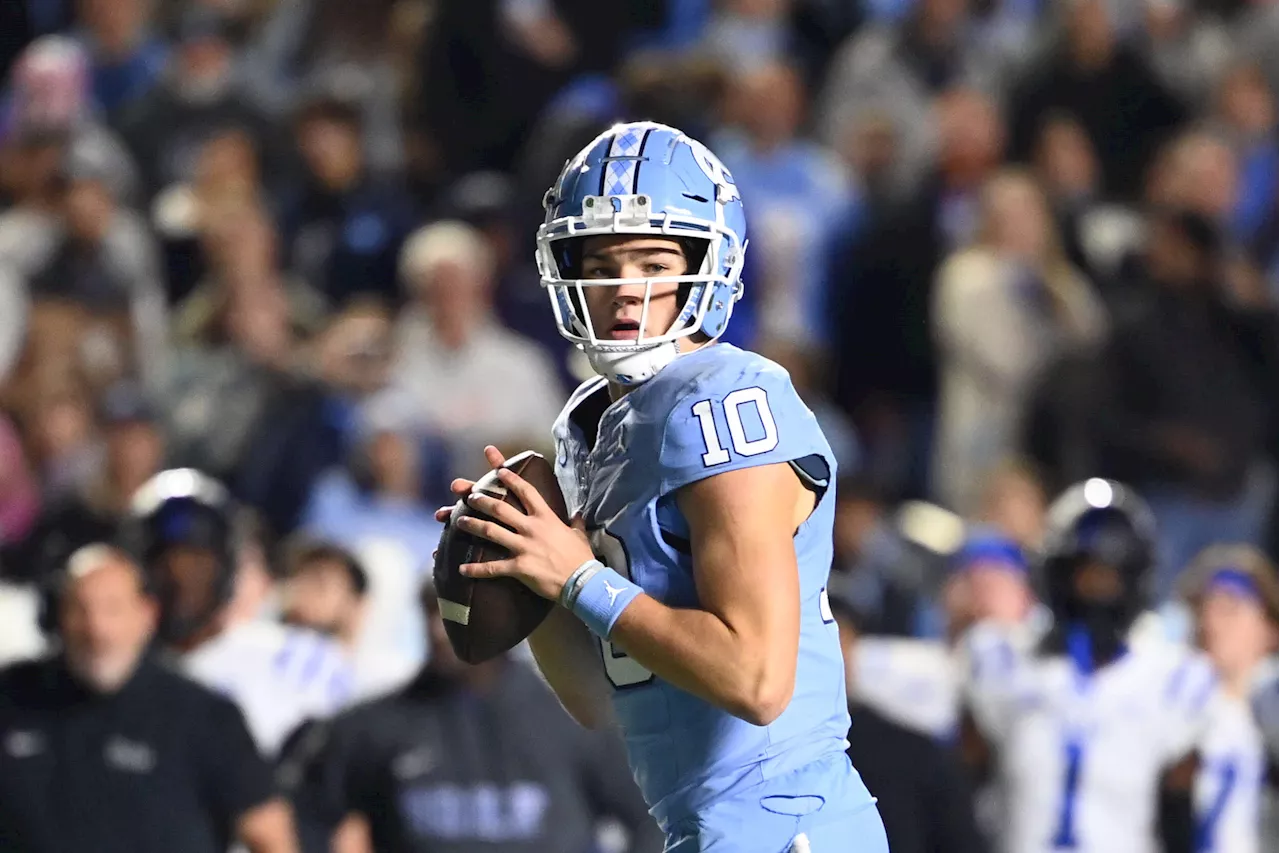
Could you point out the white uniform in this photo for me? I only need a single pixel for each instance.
(1080, 759)
(919, 683)
(915, 683)
(1229, 786)
(280, 677)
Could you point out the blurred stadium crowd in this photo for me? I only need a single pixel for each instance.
(1001, 245)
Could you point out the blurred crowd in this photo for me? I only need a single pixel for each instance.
(1001, 246)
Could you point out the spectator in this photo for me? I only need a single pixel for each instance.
(1108, 87)
(898, 71)
(1096, 233)
(194, 547)
(343, 224)
(32, 175)
(329, 44)
(919, 786)
(1013, 502)
(309, 426)
(132, 451)
(1179, 416)
(51, 97)
(470, 376)
(104, 259)
(747, 35)
(488, 202)
(422, 770)
(1233, 592)
(219, 389)
(375, 507)
(242, 255)
(494, 66)
(1003, 310)
(802, 199)
(127, 57)
(185, 216)
(886, 369)
(886, 576)
(1186, 51)
(1251, 41)
(804, 364)
(328, 591)
(64, 443)
(19, 492)
(144, 759)
(1246, 113)
(199, 97)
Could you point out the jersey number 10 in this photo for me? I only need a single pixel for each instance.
(733, 403)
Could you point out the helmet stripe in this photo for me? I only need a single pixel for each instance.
(604, 165)
(635, 172)
(619, 175)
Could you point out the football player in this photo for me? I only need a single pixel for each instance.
(692, 584)
(1089, 734)
(184, 529)
(1232, 590)
(916, 681)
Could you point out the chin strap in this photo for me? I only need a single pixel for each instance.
(632, 367)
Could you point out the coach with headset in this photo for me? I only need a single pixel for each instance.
(104, 748)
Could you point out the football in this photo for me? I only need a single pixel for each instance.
(485, 617)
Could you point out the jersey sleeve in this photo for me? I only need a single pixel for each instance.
(736, 418)
(1187, 698)
(571, 445)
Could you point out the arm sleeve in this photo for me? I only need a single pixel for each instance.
(1189, 694)
(733, 419)
(237, 777)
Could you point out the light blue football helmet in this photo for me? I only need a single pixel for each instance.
(646, 179)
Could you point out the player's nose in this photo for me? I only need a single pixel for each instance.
(628, 294)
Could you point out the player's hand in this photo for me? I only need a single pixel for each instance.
(545, 551)
(462, 488)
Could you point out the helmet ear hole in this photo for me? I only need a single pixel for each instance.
(695, 253)
(568, 257)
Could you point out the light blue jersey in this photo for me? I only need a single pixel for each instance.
(714, 410)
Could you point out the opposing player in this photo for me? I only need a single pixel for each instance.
(1090, 734)
(183, 528)
(1233, 592)
(916, 681)
(692, 582)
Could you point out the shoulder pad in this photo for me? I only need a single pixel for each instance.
(728, 409)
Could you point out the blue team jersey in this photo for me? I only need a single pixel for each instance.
(714, 410)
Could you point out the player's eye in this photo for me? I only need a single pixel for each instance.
(597, 271)
(654, 269)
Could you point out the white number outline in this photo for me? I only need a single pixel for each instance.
(733, 402)
(621, 670)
